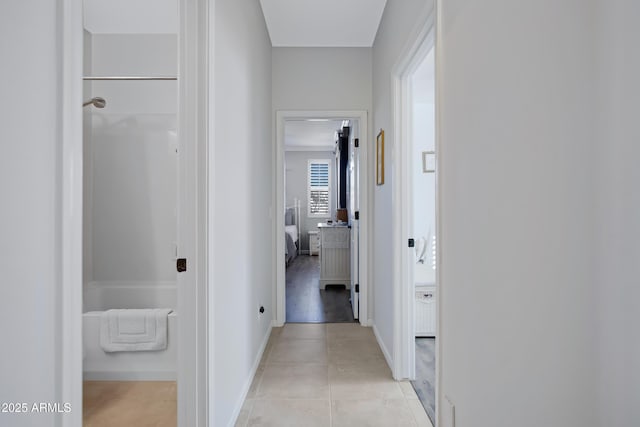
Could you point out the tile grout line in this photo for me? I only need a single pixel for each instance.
(326, 340)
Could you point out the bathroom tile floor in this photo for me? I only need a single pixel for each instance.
(129, 403)
(328, 375)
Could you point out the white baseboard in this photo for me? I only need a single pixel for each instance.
(385, 352)
(370, 322)
(247, 385)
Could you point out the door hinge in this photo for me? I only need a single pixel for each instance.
(181, 265)
(357, 142)
(357, 289)
(412, 243)
(357, 215)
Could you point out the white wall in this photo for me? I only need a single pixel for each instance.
(297, 180)
(618, 207)
(398, 21)
(30, 218)
(321, 78)
(241, 262)
(137, 55)
(132, 165)
(131, 17)
(518, 312)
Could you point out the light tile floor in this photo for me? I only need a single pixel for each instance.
(328, 375)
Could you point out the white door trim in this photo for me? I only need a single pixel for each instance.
(196, 17)
(70, 41)
(279, 203)
(194, 123)
(440, 281)
(421, 42)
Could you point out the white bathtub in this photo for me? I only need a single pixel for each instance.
(126, 366)
(104, 295)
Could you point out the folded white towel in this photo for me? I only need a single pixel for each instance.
(134, 330)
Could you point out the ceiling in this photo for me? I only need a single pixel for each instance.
(131, 16)
(322, 23)
(291, 23)
(307, 135)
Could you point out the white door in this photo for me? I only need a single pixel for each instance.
(355, 291)
(354, 199)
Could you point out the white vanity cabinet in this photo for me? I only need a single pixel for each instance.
(425, 310)
(335, 255)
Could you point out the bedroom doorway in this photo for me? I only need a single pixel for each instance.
(318, 154)
(319, 268)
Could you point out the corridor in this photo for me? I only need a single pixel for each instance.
(328, 375)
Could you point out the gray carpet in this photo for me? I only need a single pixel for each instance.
(307, 303)
(425, 383)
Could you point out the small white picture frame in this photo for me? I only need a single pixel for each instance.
(428, 161)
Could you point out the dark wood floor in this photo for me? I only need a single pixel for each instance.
(425, 383)
(307, 303)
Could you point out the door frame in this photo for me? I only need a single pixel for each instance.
(194, 302)
(70, 43)
(282, 116)
(420, 43)
(195, 121)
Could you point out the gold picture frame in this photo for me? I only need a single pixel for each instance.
(380, 158)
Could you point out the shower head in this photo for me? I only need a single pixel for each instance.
(96, 102)
(99, 102)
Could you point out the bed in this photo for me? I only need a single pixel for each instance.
(292, 232)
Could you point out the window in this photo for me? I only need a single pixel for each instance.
(319, 188)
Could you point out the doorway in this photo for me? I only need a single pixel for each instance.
(317, 188)
(321, 162)
(423, 227)
(182, 129)
(131, 143)
(417, 240)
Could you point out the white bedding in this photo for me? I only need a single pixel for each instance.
(292, 231)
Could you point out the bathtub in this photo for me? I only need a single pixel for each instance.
(104, 295)
(126, 366)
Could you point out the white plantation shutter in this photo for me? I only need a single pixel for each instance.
(319, 188)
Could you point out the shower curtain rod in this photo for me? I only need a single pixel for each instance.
(129, 78)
